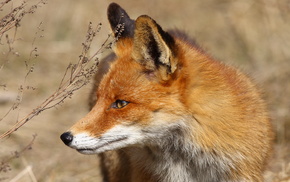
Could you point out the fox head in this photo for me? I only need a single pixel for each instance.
(139, 99)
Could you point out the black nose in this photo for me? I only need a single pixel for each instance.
(67, 138)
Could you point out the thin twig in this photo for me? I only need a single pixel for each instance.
(80, 74)
(4, 167)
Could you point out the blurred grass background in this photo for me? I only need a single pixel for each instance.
(253, 35)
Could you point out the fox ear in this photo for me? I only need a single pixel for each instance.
(120, 22)
(154, 48)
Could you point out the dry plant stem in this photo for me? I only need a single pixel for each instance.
(29, 69)
(27, 170)
(4, 163)
(79, 76)
(14, 17)
(4, 2)
(12, 20)
(9, 42)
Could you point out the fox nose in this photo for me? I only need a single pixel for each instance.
(67, 138)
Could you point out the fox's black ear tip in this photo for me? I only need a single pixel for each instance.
(115, 12)
(113, 7)
(118, 16)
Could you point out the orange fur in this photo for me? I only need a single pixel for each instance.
(189, 116)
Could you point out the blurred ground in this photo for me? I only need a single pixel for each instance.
(250, 34)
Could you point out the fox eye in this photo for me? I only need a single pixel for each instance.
(118, 104)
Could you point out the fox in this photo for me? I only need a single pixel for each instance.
(164, 110)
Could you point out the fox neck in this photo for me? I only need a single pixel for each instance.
(174, 159)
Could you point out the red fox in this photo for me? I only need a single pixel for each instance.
(166, 111)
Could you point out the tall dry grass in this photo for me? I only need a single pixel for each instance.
(250, 34)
